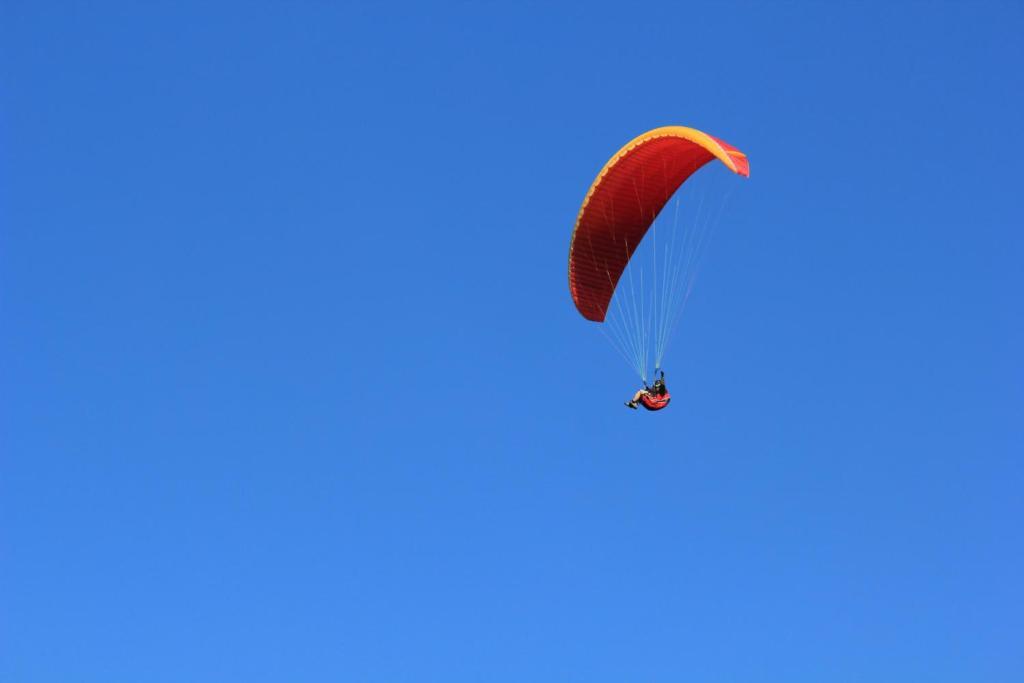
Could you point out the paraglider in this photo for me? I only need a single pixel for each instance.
(654, 397)
(619, 209)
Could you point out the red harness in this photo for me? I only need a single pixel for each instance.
(655, 402)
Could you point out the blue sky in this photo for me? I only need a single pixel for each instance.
(293, 387)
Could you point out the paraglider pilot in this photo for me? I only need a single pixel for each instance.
(652, 398)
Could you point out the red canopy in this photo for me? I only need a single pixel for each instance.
(624, 200)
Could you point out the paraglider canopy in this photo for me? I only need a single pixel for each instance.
(624, 200)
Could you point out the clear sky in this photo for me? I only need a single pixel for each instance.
(292, 387)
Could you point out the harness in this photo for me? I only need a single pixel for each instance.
(655, 402)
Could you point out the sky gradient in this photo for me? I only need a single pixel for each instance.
(292, 387)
